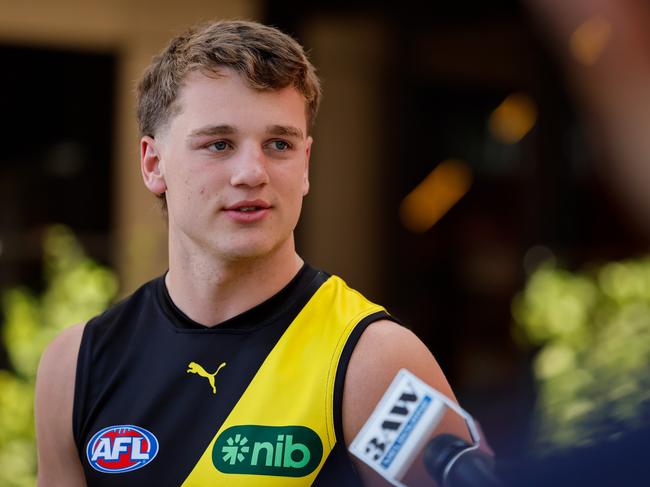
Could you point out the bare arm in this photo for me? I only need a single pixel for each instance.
(383, 349)
(58, 460)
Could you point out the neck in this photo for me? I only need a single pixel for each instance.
(210, 290)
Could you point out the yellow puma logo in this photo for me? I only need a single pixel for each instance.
(195, 368)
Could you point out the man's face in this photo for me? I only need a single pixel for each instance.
(234, 166)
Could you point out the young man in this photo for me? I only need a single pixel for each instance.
(242, 365)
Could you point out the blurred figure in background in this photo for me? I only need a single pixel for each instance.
(594, 326)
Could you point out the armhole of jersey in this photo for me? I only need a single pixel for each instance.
(81, 385)
(342, 369)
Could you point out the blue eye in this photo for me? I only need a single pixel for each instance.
(280, 145)
(219, 146)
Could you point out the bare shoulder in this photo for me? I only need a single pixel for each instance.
(59, 359)
(58, 462)
(383, 349)
(70, 337)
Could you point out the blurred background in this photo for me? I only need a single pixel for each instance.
(480, 168)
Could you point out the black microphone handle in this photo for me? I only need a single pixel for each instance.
(472, 469)
(452, 462)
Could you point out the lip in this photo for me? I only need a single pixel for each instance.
(263, 209)
(244, 203)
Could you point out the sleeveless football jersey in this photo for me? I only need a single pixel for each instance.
(162, 400)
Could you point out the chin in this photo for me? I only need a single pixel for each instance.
(247, 251)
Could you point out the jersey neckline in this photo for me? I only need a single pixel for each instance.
(249, 320)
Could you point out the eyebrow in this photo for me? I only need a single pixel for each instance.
(284, 130)
(211, 130)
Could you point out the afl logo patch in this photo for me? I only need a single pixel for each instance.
(121, 448)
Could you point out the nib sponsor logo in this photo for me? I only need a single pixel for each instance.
(287, 451)
(235, 450)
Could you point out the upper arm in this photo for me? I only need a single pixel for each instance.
(58, 460)
(383, 349)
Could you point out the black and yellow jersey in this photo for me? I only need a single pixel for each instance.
(162, 400)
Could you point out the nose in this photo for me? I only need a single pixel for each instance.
(249, 167)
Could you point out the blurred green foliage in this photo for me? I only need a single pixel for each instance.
(593, 333)
(76, 288)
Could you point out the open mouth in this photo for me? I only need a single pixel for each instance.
(246, 209)
(249, 206)
(249, 211)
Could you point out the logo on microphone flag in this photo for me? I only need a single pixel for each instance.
(399, 427)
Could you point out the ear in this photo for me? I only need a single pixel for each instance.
(150, 165)
(305, 183)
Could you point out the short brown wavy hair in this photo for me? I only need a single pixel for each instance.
(265, 57)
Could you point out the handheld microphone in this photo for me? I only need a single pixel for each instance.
(453, 462)
(399, 429)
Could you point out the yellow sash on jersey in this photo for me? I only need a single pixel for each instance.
(294, 387)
